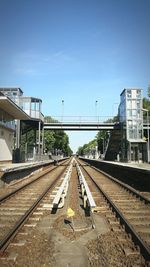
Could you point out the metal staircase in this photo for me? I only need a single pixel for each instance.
(114, 146)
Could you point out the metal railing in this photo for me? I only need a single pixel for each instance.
(88, 119)
(81, 119)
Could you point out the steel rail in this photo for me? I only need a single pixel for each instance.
(128, 187)
(9, 195)
(145, 250)
(12, 233)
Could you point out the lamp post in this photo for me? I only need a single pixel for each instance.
(62, 110)
(146, 110)
(96, 102)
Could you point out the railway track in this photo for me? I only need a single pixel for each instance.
(17, 206)
(130, 207)
(92, 229)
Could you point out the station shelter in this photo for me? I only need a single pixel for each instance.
(9, 112)
(24, 148)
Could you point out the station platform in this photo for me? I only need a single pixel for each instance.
(9, 167)
(135, 174)
(139, 165)
(143, 166)
(16, 171)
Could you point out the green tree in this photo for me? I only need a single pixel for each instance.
(49, 140)
(56, 140)
(80, 151)
(49, 119)
(87, 148)
(146, 100)
(148, 91)
(102, 137)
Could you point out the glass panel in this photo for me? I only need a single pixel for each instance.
(138, 93)
(129, 93)
(129, 104)
(33, 106)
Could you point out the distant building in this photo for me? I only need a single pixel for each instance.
(131, 118)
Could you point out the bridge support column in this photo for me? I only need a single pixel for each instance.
(43, 141)
(39, 140)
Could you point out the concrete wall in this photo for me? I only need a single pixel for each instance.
(6, 144)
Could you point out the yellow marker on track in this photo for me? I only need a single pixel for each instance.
(70, 212)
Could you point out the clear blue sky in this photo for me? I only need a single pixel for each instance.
(77, 50)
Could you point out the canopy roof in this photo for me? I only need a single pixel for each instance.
(7, 105)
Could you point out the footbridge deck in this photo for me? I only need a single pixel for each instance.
(81, 126)
(85, 124)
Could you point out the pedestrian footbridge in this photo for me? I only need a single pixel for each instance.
(82, 124)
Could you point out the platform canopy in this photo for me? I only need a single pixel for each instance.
(7, 105)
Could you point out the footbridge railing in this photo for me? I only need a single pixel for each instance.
(81, 119)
